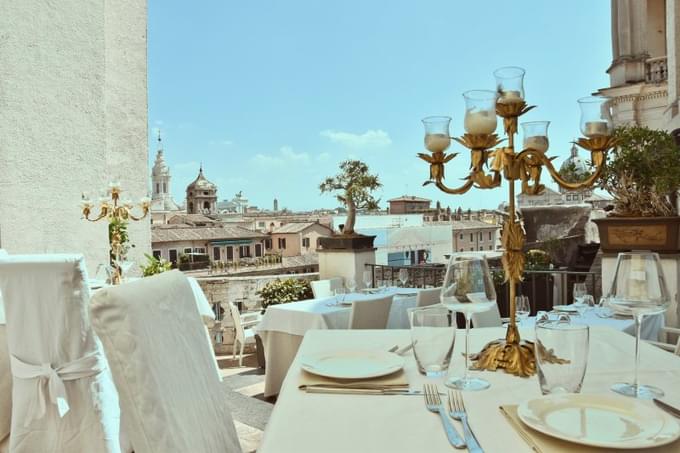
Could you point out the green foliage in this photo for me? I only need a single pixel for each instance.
(354, 184)
(537, 260)
(283, 291)
(643, 172)
(121, 227)
(155, 266)
(571, 173)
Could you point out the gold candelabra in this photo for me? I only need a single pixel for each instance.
(117, 212)
(490, 166)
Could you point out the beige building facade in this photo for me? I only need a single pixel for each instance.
(474, 236)
(296, 239)
(644, 83)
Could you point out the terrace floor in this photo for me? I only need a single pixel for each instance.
(245, 387)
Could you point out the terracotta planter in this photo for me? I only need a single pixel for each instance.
(623, 234)
(340, 242)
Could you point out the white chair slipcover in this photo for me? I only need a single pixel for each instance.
(163, 367)
(63, 396)
(370, 314)
(489, 318)
(325, 288)
(429, 296)
(5, 380)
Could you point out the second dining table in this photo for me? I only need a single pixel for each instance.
(283, 326)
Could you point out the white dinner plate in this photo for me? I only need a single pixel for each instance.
(353, 364)
(600, 420)
(565, 308)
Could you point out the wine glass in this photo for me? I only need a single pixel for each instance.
(522, 308)
(468, 289)
(351, 285)
(639, 286)
(579, 291)
(368, 279)
(403, 276)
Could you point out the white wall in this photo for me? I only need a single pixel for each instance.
(379, 221)
(73, 116)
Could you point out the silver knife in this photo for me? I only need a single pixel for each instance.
(674, 411)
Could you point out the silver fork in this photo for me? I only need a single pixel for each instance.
(457, 412)
(434, 404)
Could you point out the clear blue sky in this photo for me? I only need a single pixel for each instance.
(272, 95)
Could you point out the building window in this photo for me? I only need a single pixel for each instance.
(216, 253)
(206, 205)
(305, 242)
(461, 250)
(282, 243)
(490, 235)
(230, 253)
(199, 250)
(206, 193)
(258, 249)
(156, 254)
(260, 224)
(244, 251)
(472, 249)
(461, 237)
(172, 256)
(480, 236)
(472, 237)
(268, 243)
(158, 187)
(191, 207)
(165, 187)
(187, 250)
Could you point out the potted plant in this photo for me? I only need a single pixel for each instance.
(643, 176)
(354, 185)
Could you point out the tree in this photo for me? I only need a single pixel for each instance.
(355, 184)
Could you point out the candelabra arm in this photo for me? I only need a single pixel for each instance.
(102, 213)
(529, 156)
(144, 214)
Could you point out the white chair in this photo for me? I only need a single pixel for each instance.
(674, 348)
(243, 325)
(489, 318)
(428, 296)
(326, 288)
(370, 314)
(63, 397)
(163, 367)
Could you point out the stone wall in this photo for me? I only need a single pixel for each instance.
(73, 116)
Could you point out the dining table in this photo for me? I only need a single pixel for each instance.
(304, 422)
(594, 316)
(283, 326)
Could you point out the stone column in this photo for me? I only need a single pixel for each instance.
(73, 116)
(345, 263)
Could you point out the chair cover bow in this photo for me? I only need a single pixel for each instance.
(50, 381)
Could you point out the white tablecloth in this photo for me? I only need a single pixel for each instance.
(651, 325)
(304, 422)
(296, 318)
(283, 326)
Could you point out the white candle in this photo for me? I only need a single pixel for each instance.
(538, 142)
(510, 96)
(480, 122)
(437, 142)
(596, 128)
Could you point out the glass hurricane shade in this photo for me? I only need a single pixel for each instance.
(596, 117)
(480, 112)
(437, 136)
(536, 135)
(509, 84)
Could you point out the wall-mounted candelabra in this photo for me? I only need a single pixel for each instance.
(118, 213)
(490, 166)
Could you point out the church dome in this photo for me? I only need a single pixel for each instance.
(200, 183)
(574, 166)
(160, 168)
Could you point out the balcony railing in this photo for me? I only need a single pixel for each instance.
(656, 70)
(544, 288)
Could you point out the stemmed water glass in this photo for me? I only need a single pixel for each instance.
(639, 286)
(368, 279)
(351, 285)
(468, 289)
(580, 292)
(403, 277)
(522, 308)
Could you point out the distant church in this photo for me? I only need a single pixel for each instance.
(201, 196)
(162, 204)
